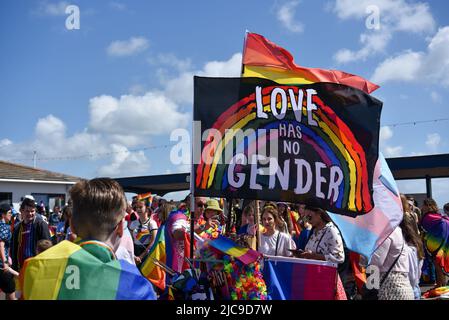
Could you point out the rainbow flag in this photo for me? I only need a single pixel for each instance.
(143, 236)
(144, 196)
(437, 238)
(299, 279)
(52, 231)
(164, 250)
(364, 233)
(436, 292)
(148, 268)
(264, 59)
(68, 271)
(229, 247)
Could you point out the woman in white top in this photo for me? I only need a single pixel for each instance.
(273, 242)
(415, 252)
(393, 252)
(325, 242)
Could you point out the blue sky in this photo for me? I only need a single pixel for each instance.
(90, 100)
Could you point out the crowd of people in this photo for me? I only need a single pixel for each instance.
(129, 230)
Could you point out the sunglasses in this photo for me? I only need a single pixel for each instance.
(200, 204)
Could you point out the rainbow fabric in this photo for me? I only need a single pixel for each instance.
(144, 196)
(299, 279)
(363, 234)
(68, 271)
(264, 59)
(436, 292)
(333, 140)
(229, 247)
(437, 238)
(143, 236)
(150, 271)
(165, 250)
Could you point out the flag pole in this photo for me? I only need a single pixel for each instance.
(192, 196)
(256, 220)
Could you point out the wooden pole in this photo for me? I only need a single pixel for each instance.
(257, 221)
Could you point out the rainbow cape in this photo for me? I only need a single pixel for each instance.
(68, 271)
(264, 59)
(437, 238)
(229, 247)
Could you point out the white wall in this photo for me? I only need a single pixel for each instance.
(20, 189)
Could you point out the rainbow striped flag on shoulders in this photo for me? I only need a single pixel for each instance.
(67, 271)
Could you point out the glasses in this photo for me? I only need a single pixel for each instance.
(200, 204)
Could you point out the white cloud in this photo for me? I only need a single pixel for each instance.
(125, 162)
(433, 141)
(399, 15)
(431, 66)
(372, 43)
(150, 114)
(393, 151)
(169, 59)
(385, 133)
(394, 16)
(5, 143)
(180, 88)
(50, 127)
(50, 141)
(118, 123)
(436, 97)
(117, 6)
(127, 47)
(286, 15)
(402, 67)
(52, 8)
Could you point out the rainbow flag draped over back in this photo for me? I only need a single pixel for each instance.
(229, 247)
(363, 234)
(264, 59)
(67, 271)
(165, 250)
(437, 238)
(148, 268)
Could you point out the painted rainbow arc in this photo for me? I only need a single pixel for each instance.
(332, 140)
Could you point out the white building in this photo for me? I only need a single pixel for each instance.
(17, 180)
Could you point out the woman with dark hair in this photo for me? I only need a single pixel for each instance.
(415, 252)
(436, 238)
(272, 241)
(325, 242)
(391, 258)
(284, 215)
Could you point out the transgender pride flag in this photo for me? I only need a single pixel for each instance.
(365, 233)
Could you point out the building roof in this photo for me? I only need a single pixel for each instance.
(420, 167)
(434, 166)
(159, 184)
(14, 171)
